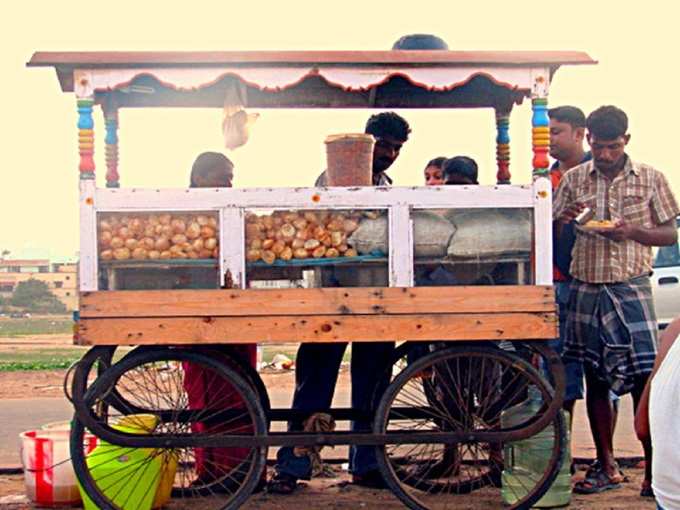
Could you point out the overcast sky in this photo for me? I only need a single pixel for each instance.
(636, 47)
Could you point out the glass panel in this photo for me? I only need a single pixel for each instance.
(472, 246)
(338, 248)
(164, 250)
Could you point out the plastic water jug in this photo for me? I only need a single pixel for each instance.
(527, 460)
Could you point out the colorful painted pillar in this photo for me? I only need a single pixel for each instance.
(111, 147)
(503, 147)
(86, 138)
(540, 136)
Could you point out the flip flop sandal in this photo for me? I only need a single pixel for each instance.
(597, 482)
(595, 466)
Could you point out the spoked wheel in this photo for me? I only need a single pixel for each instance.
(471, 390)
(122, 405)
(96, 360)
(171, 393)
(403, 355)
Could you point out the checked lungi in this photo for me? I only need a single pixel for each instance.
(612, 330)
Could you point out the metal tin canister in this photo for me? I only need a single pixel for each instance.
(585, 216)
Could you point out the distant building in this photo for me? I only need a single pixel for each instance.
(61, 278)
(24, 266)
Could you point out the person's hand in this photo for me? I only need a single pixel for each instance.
(571, 212)
(641, 422)
(620, 232)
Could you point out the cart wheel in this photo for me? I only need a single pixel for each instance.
(470, 389)
(549, 361)
(99, 357)
(253, 377)
(408, 353)
(184, 393)
(403, 354)
(122, 405)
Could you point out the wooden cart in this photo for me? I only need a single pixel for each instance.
(458, 397)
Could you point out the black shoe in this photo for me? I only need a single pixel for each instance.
(261, 485)
(281, 483)
(646, 490)
(370, 479)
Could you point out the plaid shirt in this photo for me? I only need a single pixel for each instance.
(639, 195)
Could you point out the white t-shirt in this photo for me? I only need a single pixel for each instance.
(664, 423)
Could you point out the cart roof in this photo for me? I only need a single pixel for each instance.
(308, 78)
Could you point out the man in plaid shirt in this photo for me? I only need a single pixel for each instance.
(611, 325)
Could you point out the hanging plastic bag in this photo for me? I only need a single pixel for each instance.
(237, 122)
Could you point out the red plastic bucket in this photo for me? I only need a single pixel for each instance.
(48, 473)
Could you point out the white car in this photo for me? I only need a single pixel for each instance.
(666, 283)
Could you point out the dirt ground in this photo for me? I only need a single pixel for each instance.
(38, 383)
(31, 384)
(337, 493)
(50, 383)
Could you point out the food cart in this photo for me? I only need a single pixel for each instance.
(464, 396)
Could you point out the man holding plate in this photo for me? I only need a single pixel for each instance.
(611, 325)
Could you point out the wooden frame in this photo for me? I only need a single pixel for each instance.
(398, 201)
(418, 197)
(88, 264)
(232, 259)
(366, 79)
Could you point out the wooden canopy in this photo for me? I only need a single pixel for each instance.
(309, 79)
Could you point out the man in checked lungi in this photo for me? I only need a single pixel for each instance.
(611, 325)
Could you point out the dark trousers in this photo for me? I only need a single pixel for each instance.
(316, 374)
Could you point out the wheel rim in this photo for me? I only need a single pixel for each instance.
(183, 393)
(97, 359)
(468, 390)
(121, 404)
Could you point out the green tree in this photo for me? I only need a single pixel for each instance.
(34, 295)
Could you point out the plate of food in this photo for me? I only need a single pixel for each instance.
(599, 226)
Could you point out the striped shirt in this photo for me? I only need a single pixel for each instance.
(639, 195)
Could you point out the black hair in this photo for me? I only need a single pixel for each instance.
(569, 115)
(388, 124)
(607, 123)
(420, 42)
(460, 165)
(438, 162)
(208, 162)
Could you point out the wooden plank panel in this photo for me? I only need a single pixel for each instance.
(179, 59)
(356, 328)
(327, 301)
